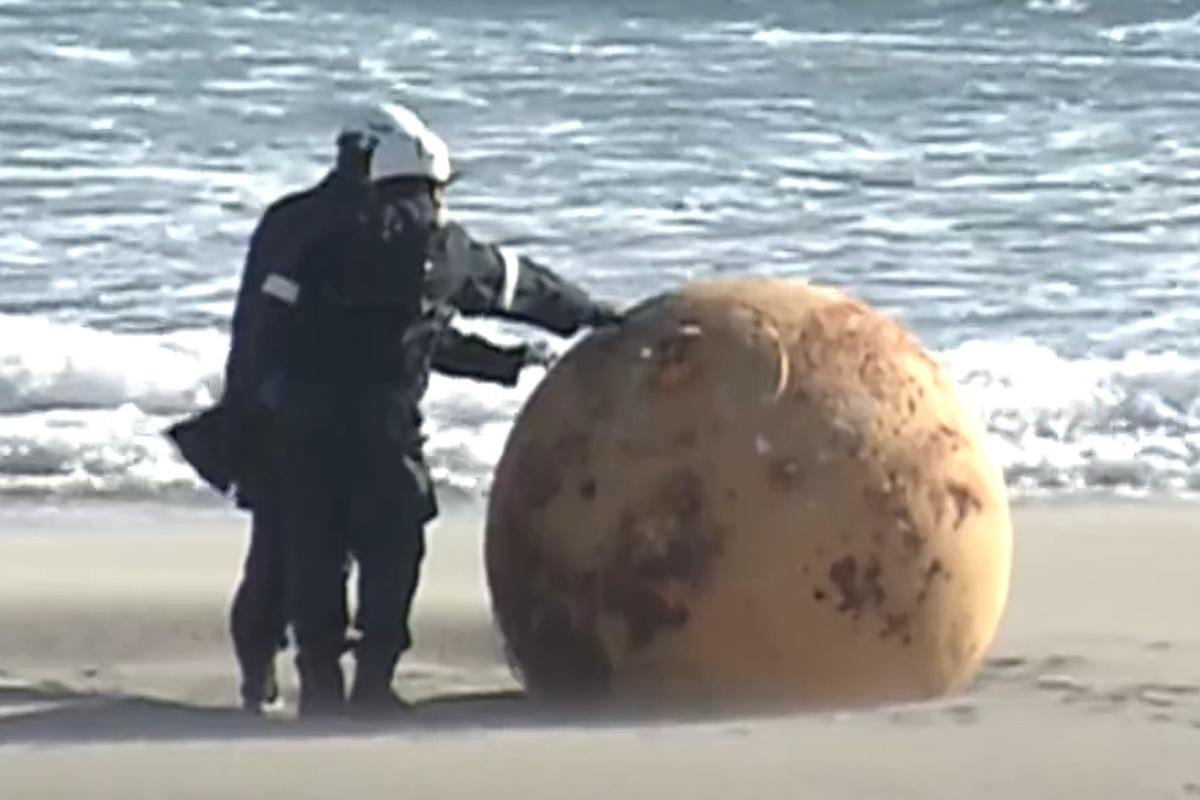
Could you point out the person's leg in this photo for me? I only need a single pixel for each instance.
(257, 617)
(316, 575)
(392, 500)
(389, 555)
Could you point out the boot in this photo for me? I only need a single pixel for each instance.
(372, 695)
(322, 686)
(260, 690)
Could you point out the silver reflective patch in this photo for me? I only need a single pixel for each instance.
(281, 288)
(512, 274)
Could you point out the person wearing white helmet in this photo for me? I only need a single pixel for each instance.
(400, 144)
(345, 306)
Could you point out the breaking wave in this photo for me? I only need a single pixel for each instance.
(82, 411)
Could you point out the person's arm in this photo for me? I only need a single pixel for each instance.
(464, 355)
(242, 361)
(481, 279)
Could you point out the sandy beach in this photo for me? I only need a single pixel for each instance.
(117, 681)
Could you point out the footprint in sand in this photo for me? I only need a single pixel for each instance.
(1006, 662)
(963, 713)
(1001, 669)
(1165, 695)
(1156, 699)
(1061, 661)
(1061, 683)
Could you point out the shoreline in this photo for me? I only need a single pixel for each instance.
(21, 513)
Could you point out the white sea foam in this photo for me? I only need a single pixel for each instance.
(46, 366)
(1059, 423)
(82, 411)
(1157, 30)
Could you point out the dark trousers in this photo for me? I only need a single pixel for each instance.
(258, 617)
(349, 492)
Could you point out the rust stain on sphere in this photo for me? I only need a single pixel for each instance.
(754, 492)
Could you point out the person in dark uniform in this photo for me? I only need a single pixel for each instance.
(258, 616)
(346, 300)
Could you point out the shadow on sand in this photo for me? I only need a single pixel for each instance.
(48, 713)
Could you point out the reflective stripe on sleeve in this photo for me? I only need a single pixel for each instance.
(512, 273)
(281, 288)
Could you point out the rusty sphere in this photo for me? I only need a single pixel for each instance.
(753, 492)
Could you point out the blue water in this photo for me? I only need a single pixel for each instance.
(1019, 182)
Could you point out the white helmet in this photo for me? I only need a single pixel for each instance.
(400, 143)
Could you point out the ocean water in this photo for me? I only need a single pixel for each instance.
(1017, 181)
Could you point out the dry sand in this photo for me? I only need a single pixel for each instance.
(116, 681)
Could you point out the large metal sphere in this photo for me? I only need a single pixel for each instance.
(752, 492)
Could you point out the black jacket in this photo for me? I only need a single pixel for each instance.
(462, 275)
(459, 275)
